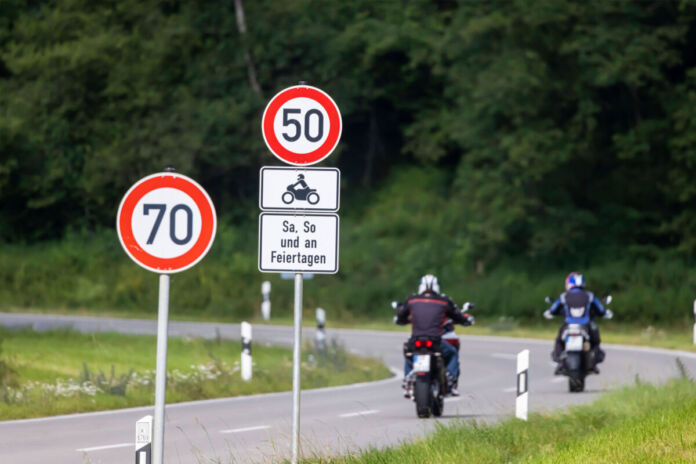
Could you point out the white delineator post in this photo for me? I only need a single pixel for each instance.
(161, 369)
(522, 401)
(320, 337)
(246, 351)
(694, 322)
(297, 353)
(266, 303)
(143, 441)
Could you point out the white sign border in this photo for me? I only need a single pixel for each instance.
(280, 271)
(212, 237)
(302, 208)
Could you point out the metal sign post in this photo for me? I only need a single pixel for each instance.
(161, 372)
(296, 360)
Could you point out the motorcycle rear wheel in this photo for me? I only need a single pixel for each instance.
(576, 382)
(423, 396)
(287, 198)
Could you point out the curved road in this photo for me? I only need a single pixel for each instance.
(334, 420)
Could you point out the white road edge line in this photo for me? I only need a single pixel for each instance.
(504, 355)
(246, 429)
(105, 447)
(359, 413)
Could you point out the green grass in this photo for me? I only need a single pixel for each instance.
(639, 424)
(48, 356)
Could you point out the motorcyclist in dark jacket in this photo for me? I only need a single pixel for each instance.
(428, 312)
(579, 306)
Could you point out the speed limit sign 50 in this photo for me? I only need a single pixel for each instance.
(301, 125)
(166, 222)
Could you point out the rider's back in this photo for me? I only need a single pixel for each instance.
(428, 314)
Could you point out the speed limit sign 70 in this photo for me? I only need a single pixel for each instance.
(166, 222)
(301, 125)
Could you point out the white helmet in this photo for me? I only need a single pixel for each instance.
(428, 283)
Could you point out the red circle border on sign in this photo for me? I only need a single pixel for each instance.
(125, 216)
(335, 123)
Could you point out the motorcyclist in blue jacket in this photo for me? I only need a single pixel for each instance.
(579, 306)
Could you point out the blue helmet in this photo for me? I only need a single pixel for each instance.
(573, 280)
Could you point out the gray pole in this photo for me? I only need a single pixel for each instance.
(296, 370)
(161, 372)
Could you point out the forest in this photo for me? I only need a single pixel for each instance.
(498, 144)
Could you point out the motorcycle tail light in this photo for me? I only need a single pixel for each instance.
(429, 343)
(418, 343)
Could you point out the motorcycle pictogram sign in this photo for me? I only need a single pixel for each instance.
(312, 189)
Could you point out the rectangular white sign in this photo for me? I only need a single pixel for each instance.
(298, 242)
(315, 189)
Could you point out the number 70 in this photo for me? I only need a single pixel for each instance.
(161, 208)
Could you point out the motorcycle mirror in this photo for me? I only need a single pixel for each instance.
(608, 299)
(548, 300)
(468, 306)
(394, 304)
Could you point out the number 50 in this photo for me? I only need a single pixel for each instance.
(298, 127)
(161, 208)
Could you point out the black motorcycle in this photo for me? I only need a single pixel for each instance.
(428, 377)
(291, 194)
(578, 359)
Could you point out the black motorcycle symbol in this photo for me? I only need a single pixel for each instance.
(300, 191)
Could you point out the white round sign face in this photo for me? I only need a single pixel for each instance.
(166, 222)
(301, 125)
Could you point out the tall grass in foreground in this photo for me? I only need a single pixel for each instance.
(640, 424)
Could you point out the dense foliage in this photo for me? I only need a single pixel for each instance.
(542, 132)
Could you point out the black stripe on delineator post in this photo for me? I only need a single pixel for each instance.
(144, 455)
(522, 382)
(246, 346)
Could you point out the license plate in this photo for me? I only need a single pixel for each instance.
(574, 343)
(421, 363)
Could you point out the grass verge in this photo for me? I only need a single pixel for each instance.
(639, 424)
(60, 372)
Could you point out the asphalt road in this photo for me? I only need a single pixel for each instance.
(334, 420)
